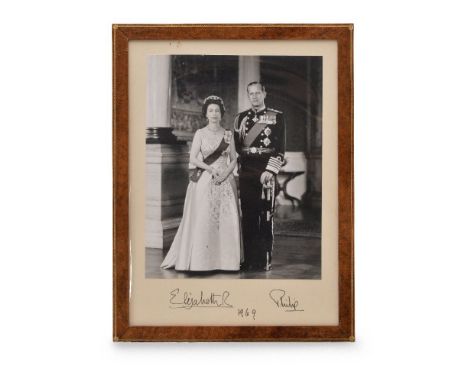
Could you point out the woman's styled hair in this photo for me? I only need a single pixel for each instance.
(212, 99)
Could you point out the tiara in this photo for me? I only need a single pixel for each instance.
(213, 98)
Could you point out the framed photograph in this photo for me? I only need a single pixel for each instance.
(233, 183)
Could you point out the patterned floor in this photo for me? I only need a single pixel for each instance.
(296, 251)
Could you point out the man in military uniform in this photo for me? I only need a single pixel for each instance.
(259, 135)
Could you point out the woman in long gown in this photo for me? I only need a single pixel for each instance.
(209, 236)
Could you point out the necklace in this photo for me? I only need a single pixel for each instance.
(215, 130)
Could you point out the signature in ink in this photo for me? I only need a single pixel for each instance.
(284, 301)
(187, 300)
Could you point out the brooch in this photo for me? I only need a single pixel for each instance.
(227, 136)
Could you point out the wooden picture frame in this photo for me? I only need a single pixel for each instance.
(122, 329)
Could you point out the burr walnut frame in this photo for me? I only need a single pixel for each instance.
(122, 331)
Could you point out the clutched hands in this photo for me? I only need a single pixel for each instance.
(214, 172)
(219, 176)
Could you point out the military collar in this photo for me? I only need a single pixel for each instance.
(261, 111)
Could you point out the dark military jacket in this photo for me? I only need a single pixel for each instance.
(266, 151)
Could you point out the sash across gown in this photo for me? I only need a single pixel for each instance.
(208, 237)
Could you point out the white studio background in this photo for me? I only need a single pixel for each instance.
(411, 88)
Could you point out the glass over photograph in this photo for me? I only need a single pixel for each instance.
(233, 167)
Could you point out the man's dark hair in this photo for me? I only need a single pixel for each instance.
(256, 83)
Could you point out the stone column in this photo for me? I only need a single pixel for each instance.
(158, 101)
(249, 70)
(166, 185)
(166, 159)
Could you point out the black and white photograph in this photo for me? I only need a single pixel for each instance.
(96, 136)
(233, 168)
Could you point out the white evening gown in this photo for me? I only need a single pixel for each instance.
(209, 236)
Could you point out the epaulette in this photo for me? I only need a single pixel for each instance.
(276, 111)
